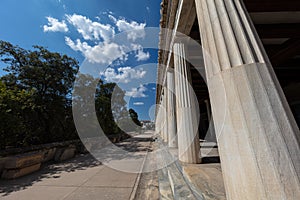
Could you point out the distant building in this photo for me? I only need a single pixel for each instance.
(148, 125)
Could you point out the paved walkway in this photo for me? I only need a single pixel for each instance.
(81, 178)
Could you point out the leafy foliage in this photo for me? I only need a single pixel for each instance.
(36, 93)
(110, 106)
(36, 104)
(15, 104)
(134, 116)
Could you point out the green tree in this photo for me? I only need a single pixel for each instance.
(14, 106)
(110, 105)
(134, 116)
(48, 78)
(107, 101)
(36, 103)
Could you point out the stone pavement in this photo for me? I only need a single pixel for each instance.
(81, 178)
(207, 177)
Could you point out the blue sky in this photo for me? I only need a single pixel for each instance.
(86, 30)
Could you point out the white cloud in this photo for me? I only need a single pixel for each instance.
(112, 18)
(123, 74)
(134, 29)
(104, 53)
(136, 47)
(104, 50)
(138, 103)
(55, 26)
(108, 12)
(137, 92)
(91, 30)
(140, 54)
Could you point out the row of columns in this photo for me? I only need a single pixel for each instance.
(179, 106)
(258, 138)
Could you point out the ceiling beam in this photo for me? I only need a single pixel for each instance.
(272, 49)
(291, 64)
(272, 5)
(289, 49)
(278, 30)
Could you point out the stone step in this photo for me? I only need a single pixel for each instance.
(180, 188)
(164, 186)
(206, 178)
(195, 191)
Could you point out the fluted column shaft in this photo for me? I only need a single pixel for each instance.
(258, 137)
(158, 122)
(165, 116)
(211, 135)
(172, 129)
(187, 121)
(161, 118)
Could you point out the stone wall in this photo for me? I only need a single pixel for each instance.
(17, 162)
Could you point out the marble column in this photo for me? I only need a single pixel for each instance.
(160, 120)
(157, 122)
(258, 137)
(164, 119)
(186, 110)
(210, 136)
(172, 129)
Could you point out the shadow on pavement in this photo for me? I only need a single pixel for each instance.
(49, 170)
(132, 149)
(138, 145)
(135, 145)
